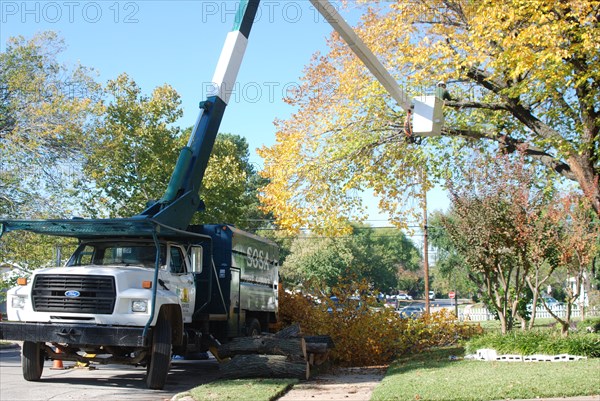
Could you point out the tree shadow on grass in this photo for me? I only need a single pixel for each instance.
(430, 359)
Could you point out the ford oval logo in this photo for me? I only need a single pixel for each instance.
(72, 293)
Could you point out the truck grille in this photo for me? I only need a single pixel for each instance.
(96, 294)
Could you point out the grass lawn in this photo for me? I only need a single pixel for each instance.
(243, 390)
(433, 376)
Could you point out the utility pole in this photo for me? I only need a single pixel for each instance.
(425, 242)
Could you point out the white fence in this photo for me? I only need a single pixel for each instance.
(479, 314)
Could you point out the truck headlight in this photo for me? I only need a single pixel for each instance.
(139, 305)
(18, 302)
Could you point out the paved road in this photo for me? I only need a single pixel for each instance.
(440, 302)
(107, 382)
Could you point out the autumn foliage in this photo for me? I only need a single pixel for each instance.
(523, 77)
(364, 332)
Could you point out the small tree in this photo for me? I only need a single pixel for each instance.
(577, 248)
(542, 254)
(490, 224)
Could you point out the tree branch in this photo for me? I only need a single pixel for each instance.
(511, 145)
(484, 79)
(519, 111)
(476, 105)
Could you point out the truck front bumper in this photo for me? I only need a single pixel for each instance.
(74, 334)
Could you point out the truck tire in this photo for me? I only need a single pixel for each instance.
(160, 355)
(253, 327)
(32, 361)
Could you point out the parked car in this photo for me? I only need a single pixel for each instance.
(405, 297)
(550, 301)
(432, 295)
(391, 303)
(411, 311)
(351, 302)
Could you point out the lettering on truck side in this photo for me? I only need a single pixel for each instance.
(257, 258)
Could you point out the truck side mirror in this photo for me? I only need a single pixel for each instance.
(196, 258)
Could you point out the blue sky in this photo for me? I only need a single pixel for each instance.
(179, 42)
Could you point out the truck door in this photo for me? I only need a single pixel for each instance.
(234, 308)
(181, 279)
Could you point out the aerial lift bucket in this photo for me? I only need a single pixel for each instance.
(428, 116)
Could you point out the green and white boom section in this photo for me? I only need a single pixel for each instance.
(181, 199)
(427, 112)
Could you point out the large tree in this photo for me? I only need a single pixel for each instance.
(47, 112)
(135, 150)
(522, 74)
(378, 256)
(230, 186)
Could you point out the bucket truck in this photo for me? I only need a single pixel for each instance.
(138, 289)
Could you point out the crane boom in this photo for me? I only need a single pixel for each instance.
(333, 17)
(181, 199)
(427, 110)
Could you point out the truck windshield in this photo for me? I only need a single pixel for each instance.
(108, 253)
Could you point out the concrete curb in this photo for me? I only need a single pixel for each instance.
(185, 396)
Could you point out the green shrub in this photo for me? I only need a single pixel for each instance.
(589, 324)
(538, 342)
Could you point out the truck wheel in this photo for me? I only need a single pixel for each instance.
(160, 355)
(32, 361)
(253, 328)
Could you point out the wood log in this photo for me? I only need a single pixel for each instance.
(320, 339)
(318, 359)
(289, 332)
(263, 345)
(317, 348)
(267, 366)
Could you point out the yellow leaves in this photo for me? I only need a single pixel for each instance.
(531, 37)
(364, 332)
(345, 136)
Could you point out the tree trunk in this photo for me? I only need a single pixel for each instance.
(503, 323)
(263, 345)
(279, 355)
(588, 180)
(292, 331)
(319, 339)
(255, 366)
(317, 348)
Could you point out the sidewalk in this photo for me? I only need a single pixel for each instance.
(352, 384)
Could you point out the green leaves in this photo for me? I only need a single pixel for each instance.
(47, 112)
(134, 149)
(230, 186)
(70, 147)
(379, 256)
